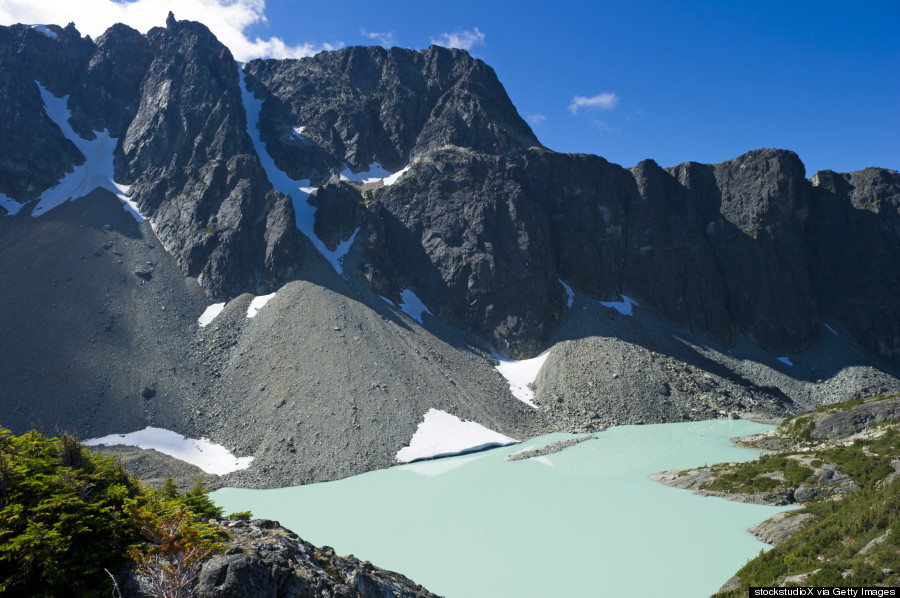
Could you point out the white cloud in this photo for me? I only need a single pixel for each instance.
(383, 39)
(536, 119)
(604, 101)
(227, 19)
(464, 40)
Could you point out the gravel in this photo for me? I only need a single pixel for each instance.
(328, 380)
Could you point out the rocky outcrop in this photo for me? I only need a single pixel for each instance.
(697, 481)
(852, 421)
(264, 559)
(778, 528)
(753, 210)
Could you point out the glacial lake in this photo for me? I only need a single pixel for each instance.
(586, 521)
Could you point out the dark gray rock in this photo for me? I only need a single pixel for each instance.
(472, 245)
(194, 169)
(754, 210)
(852, 421)
(668, 262)
(264, 559)
(236, 576)
(34, 154)
(855, 247)
(108, 91)
(339, 213)
(486, 220)
(371, 104)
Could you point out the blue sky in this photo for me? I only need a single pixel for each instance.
(701, 81)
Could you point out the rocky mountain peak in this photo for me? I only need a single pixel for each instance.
(482, 223)
(361, 105)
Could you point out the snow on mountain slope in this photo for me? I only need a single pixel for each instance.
(97, 170)
(208, 456)
(298, 191)
(521, 374)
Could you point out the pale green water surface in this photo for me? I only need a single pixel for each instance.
(583, 522)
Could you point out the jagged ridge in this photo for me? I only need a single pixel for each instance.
(484, 222)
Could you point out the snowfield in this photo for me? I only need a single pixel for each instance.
(298, 191)
(97, 170)
(441, 434)
(412, 306)
(10, 205)
(210, 314)
(210, 457)
(520, 374)
(624, 306)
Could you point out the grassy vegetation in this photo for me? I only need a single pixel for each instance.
(847, 405)
(69, 520)
(830, 546)
(750, 477)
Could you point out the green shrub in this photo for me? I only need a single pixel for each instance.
(68, 516)
(62, 519)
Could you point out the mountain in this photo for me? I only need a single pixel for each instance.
(358, 183)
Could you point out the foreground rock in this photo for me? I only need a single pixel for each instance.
(264, 559)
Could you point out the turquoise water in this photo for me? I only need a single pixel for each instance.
(583, 522)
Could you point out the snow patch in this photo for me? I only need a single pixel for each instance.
(826, 326)
(97, 170)
(569, 292)
(785, 361)
(375, 173)
(208, 456)
(10, 205)
(298, 132)
(441, 435)
(298, 191)
(388, 181)
(210, 314)
(413, 306)
(44, 30)
(257, 304)
(521, 373)
(624, 306)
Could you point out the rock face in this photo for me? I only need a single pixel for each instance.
(856, 264)
(485, 221)
(265, 559)
(376, 105)
(852, 421)
(753, 210)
